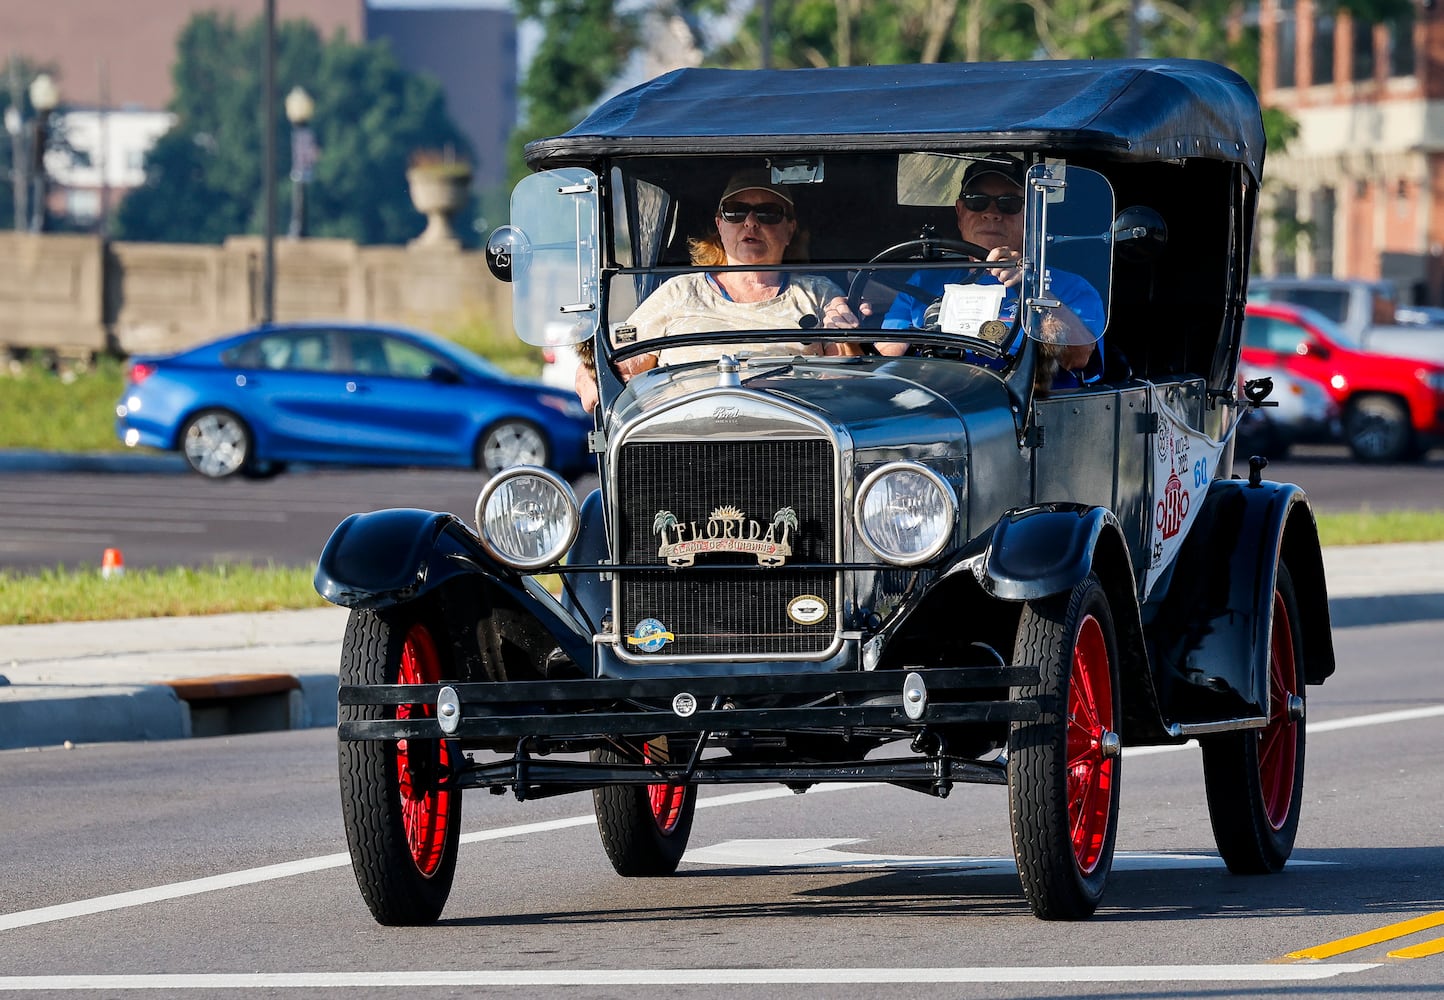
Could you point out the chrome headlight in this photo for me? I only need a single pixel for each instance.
(905, 513)
(527, 517)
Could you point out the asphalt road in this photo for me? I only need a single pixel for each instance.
(70, 518)
(222, 861)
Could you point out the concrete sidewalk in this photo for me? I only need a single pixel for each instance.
(167, 678)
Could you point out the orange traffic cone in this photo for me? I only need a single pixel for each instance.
(112, 563)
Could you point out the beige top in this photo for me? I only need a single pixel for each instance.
(690, 303)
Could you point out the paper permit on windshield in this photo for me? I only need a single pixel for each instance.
(967, 307)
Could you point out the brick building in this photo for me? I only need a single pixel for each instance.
(1365, 176)
(118, 54)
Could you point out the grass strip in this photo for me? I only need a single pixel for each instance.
(58, 595)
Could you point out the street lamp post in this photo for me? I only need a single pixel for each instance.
(299, 108)
(44, 96)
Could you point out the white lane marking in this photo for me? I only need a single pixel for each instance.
(141, 897)
(695, 977)
(251, 876)
(821, 854)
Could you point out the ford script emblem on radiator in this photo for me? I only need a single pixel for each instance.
(727, 529)
(684, 704)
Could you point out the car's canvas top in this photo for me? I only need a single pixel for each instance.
(1134, 109)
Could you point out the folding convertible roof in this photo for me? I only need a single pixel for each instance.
(1133, 109)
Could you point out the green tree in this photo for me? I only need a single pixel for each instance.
(584, 48)
(204, 178)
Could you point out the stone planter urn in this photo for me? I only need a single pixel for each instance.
(439, 191)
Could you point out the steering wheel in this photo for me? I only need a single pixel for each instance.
(927, 248)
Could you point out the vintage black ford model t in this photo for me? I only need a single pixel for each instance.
(922, 555)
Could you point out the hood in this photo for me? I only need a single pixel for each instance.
(876, 402)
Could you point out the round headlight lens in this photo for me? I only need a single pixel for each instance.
(527, 517)
(905, 513)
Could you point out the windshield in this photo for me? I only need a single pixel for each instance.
(754, 255)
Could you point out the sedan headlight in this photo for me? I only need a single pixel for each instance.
(905, 513)
(527, 517)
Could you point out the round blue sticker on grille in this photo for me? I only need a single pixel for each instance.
(649, 636)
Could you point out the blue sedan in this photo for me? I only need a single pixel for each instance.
(347, 394)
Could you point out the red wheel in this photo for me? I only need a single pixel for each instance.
(644, 828)
(403, 830)
(1063, 769)
(1090, 768)
(1255, 778)
(425, 813)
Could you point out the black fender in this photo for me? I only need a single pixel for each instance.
(385, 558)
(1034, 552)
(1209, 630)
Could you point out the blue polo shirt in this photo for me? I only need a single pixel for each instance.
(1073, 291)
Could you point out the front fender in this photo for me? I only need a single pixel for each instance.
(389, 557)
(1037, 551)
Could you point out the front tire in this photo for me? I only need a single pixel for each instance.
(217, 444)
(1254, 779)
(644, 828)
(509, 443)
(1063, 769)
(403, 831)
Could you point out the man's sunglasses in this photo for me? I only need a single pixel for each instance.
(1008, 204)
(769, 213)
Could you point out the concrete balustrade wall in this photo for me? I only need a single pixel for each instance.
(75, 295)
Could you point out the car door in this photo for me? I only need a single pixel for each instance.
(403, 402)
(290, 384)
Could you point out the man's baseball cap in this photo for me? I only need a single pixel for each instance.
(754, 179)
(1004, 165)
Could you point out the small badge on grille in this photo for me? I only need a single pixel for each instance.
(727, 529)
(684, 704)
(807, 609)
(650, 635)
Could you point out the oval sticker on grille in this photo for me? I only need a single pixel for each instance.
(807, 609)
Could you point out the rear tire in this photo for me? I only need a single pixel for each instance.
(1063, 769)
(510, 443)
(217, 444)
(1255, 778)
(644, 828)
(403, 832)
(1377, 429)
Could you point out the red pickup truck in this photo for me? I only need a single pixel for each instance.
(1392, 408)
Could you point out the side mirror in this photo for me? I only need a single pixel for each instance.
(442, 375)
(1313, 349)
(1139, 235)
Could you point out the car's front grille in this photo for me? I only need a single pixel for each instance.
(727, 503)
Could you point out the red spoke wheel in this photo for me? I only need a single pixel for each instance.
(1063, 769)
(1255, 778)
(644, 828)
(402, 826)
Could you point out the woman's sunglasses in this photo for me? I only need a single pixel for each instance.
(769, 213)
(1008, 204)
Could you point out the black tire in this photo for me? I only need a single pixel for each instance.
(1377, 429)
(1255, 778)
(403, 845)
(644, 828)
(217, 444)
(1064, 769)
(510, 443)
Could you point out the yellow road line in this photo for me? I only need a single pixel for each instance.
(1423, 950)
(1388, 933)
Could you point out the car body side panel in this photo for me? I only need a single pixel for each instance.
(1209, 634)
